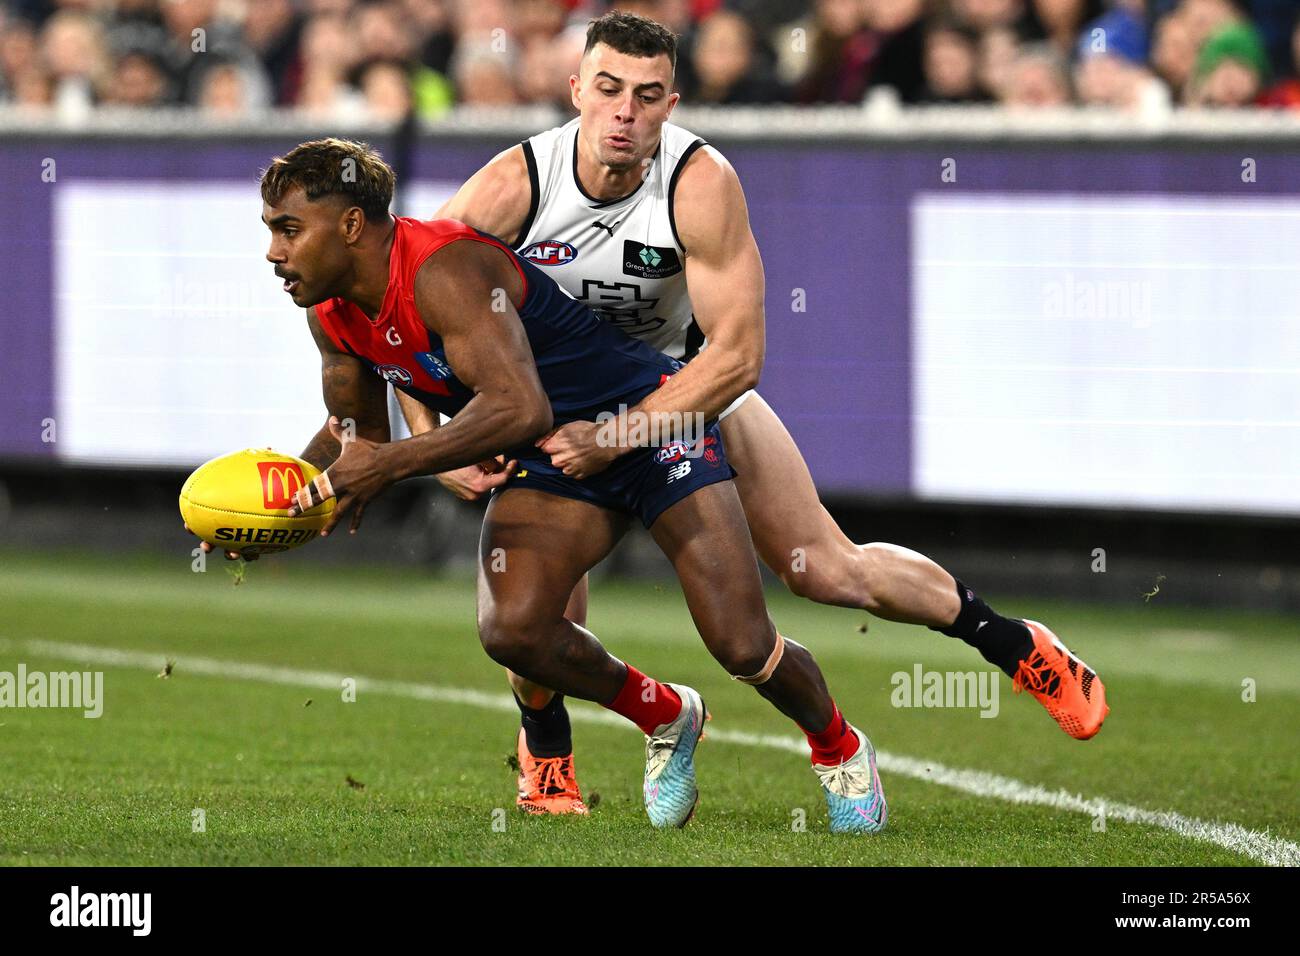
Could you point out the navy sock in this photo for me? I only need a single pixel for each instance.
(547, 730)
(1002, 641)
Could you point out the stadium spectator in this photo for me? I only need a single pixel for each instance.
(1038, 78)
(1207, 17)
(724, 65)
(331, 58)
(19, 52)
(323, 94)
(1174, 55)
(429, 22)
(840, 49)
(386, 90)
(1286, 92)
(1059, 21)
(537, 19)
(1110, 69)
(483, 74)
(224, 92)
(480, 21)
(1231, 68)
(138, 80)
(997, 55)
(1276, 21)
(73, 49)
(950, 60)
(32, 90)
(984, 15)
(547, 65)
(273, 32)
(899, 27)
(378, 33)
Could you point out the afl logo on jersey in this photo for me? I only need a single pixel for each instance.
(393, 373)
(432, 364)
(550, 252)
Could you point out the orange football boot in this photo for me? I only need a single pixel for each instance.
(1070, 690)
(547, 784)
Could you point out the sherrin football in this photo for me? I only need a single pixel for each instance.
(240, 502)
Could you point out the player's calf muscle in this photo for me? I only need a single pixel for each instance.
(839, 575)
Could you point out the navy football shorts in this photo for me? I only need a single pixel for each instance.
(646, 482)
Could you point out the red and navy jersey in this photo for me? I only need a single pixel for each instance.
(585, 365)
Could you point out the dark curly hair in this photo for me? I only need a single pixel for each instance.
(333, 167)
(632, 34)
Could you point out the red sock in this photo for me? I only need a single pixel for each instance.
(836, 743)
(645, 701)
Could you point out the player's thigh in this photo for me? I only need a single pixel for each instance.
(784, 512)
(534, 551)
(705, 538)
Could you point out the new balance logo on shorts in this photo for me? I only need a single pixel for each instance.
(680, 470)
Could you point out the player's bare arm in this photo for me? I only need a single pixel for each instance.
(466, 295)
(351, 393)
(496, 200)
(724, 273)
(458, 293)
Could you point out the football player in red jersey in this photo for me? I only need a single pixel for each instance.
(455, 320)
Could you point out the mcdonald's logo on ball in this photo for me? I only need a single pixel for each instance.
(280, 482)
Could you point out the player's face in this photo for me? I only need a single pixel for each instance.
(624, 101)
(307, 246)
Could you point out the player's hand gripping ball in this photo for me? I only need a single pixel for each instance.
(240, 502)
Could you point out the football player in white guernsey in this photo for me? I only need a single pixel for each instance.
(648, 225)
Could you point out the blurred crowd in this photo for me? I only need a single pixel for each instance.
(347, 59)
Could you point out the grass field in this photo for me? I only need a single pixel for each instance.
(250, 727)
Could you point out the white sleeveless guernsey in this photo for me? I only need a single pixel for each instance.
(621, 257)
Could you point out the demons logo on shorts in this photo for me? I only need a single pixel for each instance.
(394, 373)
(280, 482)
(549, 252)
(711, 452)
(673, 451)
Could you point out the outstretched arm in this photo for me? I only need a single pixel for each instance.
(724, 274)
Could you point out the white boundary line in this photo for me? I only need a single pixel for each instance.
(1260, 847)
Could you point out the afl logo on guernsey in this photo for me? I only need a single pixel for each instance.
(393, 373)
(434, 365)
(549, 252)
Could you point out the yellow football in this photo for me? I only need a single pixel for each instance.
(240, 502)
